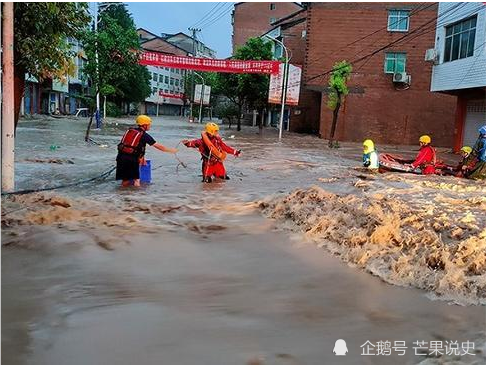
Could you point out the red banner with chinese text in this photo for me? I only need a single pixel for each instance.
(168, 95)
(208, 64)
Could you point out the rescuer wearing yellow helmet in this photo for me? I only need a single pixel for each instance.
(426, 158)
(213, 152)
(370, 156)
(131, 151)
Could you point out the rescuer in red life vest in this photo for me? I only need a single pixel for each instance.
(213, 152)
(426, 157)
(131, 151)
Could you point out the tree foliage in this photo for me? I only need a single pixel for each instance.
(246, 89)
(338, 90)
(338, 83)
(117, 73)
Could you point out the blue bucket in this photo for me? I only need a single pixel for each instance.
(146, 172)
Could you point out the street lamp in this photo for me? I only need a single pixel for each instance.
(97, 113)
(284, 84)
(202, 97)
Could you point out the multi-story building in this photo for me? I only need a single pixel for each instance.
(167, 84)
(254, 19)
(459, 58)
(63, 96)
(291, 31)
(389, 96)
(190, 45)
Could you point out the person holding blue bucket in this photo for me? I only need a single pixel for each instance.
(131, 153)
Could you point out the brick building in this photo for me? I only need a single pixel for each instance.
(291, 31)
(254, 19)
(379, 105)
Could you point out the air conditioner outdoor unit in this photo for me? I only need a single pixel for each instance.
(431, 55)
(401, 77)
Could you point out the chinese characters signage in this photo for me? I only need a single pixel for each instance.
(208, 64)
(293, 86)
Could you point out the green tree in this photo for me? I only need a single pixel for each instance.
(246, 89)
(337, 92)
(117, 74)
(40, 41)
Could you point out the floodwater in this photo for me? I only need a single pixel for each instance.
(180, 272)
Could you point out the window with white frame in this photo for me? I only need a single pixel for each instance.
(154, 76)
(172, 81)
(398, 20)
(395, 62)
(161, 78)
(273, 6)
(176, 82)
(459, 40)
(154, 90)
(166, 79)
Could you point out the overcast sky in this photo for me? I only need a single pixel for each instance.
(214, 19)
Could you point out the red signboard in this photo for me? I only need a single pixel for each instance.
(168, 95)
(208, 64)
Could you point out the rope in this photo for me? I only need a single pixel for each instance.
(104, 175)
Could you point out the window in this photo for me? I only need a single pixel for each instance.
(166, 79)
(166, 91)
(167, 69)
(154, 76)
(273, 20)
(177, 70)
(172, 81)
(161, 78)
(273, 6)
(171, 91)
(182, 83)
(171, 69)
(154, 90)
(398, 20)
(177, 82)
(459, 40)
(395, 62)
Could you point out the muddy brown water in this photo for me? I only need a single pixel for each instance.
(201, 277)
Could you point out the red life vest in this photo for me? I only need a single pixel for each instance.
(130, 142)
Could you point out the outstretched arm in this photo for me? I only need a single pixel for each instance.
(229, 149)
(195, 143)
(164, 149)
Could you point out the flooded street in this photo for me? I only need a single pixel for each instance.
(250, 271)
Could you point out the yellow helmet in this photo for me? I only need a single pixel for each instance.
(425, 139)
(143, 120)
(466, 149)
(368, 146)
(211, 128)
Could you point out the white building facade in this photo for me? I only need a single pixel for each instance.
(167, 85)
(459, 67)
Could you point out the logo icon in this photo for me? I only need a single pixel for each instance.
(340, 348)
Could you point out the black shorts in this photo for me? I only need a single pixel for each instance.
(127, 167)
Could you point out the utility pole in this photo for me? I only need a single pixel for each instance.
(193, 30)
(8, 114)
(97, 113)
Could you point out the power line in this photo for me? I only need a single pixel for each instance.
(371, 54)
(223, 11)
(412, 13)
(209, 13)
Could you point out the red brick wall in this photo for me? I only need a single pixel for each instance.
(253, 19)
(374, 108)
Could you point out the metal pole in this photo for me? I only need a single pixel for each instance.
(97, 113)
(194, 30)
(158, 94)
(8, 104)
(284, 84)
(284, 92)
(201, 104)
(202, 96)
